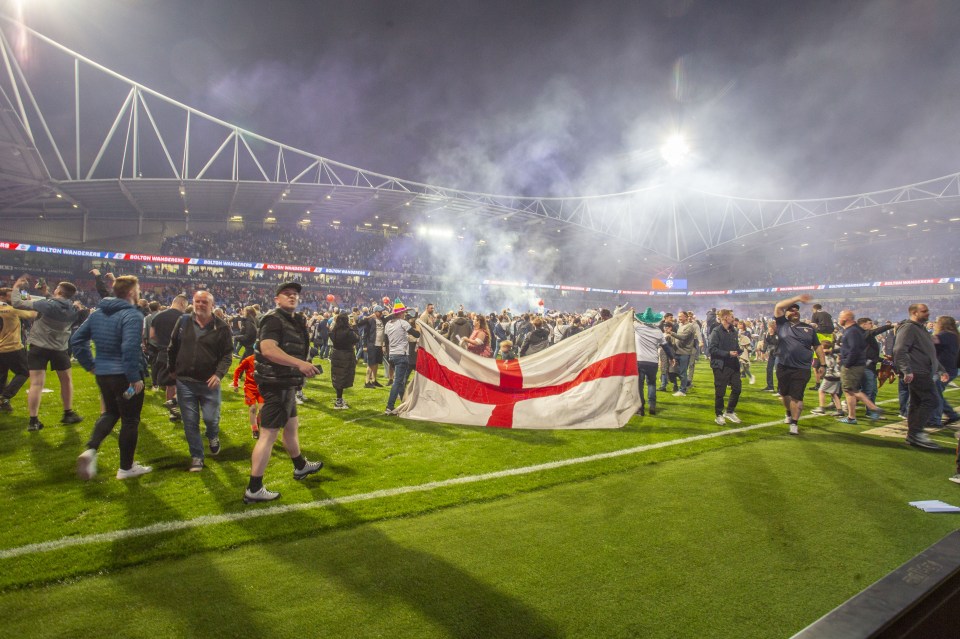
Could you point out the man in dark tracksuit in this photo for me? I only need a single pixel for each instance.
(724, 349)
(915, 357)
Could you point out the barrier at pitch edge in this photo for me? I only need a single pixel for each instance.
(168, 259)
(292, 268)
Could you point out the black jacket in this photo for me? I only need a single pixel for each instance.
(196, 357)
(722, 342)
(535, 341)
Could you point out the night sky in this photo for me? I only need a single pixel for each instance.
(777, 99)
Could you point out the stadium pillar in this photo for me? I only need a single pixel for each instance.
(140, 224)
(83, 232)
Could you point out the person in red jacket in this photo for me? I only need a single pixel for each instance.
(251, 392)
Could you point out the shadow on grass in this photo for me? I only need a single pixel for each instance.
(195, 601)
(383, 573)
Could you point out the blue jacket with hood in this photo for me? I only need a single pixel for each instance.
(117, 328)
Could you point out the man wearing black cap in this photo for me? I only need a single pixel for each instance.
(797, 342)
(282, 364)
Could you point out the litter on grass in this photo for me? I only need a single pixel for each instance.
(935, 506)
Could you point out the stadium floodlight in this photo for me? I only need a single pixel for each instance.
(675, 150)
(435, 232)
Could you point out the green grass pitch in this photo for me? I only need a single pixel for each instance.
(754, 534)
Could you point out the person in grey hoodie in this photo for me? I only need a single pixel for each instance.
(915, 357)
(49, 345)
(117, 329)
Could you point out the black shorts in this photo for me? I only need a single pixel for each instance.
(14, 361)
(279, 405)
(791, 382)
(38, 358)
(162, 375)
(374, 355)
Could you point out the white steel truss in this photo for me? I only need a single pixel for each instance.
(153, 145)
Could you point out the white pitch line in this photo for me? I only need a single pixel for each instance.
(212, 520)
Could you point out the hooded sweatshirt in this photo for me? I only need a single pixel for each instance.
(52, 329)
(117, 329)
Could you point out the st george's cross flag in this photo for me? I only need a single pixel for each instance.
(585, 381)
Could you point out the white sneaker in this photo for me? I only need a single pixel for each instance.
(135, 471)
(679, 394)
(720, 420)
(753, 380)
(261, 495)
(732, 417)
(819, 410)
(786, 420)
(87, 464)
(794, 429)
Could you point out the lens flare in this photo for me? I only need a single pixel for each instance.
(675, 150)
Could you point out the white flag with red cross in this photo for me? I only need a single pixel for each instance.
(585, 381)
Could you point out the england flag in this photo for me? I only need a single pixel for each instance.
(586, 381)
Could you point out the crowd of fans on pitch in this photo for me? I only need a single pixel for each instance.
(753, 345)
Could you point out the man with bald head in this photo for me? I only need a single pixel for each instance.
(915, 357)
(853, 363)
(200, 352)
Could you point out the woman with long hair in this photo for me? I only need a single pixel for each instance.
(479, 340)
(343, 362)
(947, 342)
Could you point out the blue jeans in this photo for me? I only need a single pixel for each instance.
(869, 384)
(771, 365)
(903, 395)
(401, 371)
(647, 373)
(195, 398)
(942, 405)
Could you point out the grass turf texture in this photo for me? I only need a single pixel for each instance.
(758, 537)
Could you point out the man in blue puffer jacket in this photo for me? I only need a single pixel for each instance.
(117, 329)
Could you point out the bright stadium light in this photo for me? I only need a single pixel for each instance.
(675, 150)
(435, 231)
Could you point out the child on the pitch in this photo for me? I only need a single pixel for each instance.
(251, 393)
(830, 386)
(506, 352)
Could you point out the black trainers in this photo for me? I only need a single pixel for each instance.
(35, 425)
(70, 417)
(5, 406)
(174, 415)
(308, 469)
(922, 440)
(171, 403)
(215, 446)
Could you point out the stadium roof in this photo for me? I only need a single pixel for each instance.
(155, 158)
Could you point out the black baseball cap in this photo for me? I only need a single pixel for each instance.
(286, 285)
(793, 307)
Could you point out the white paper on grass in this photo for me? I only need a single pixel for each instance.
(935, 506)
